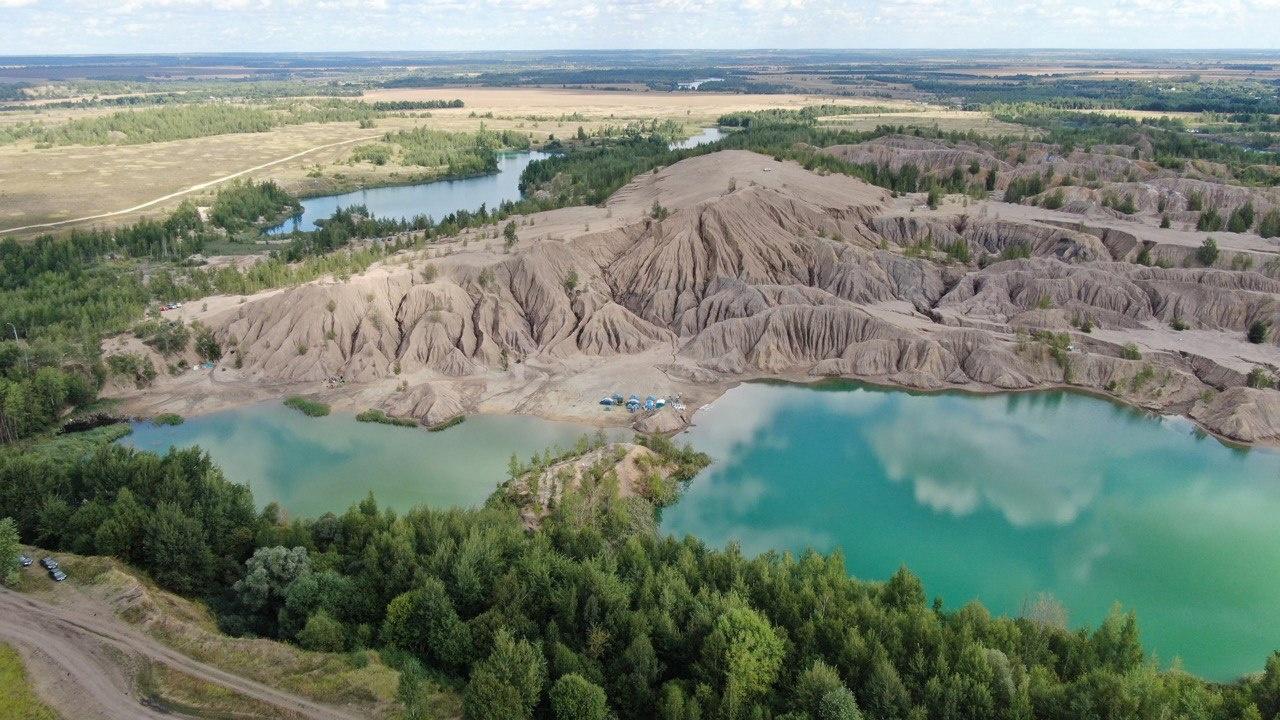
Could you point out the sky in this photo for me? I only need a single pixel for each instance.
(111, 26)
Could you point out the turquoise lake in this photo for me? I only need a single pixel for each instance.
(316, 465)
(990, 497)
(1001, 497)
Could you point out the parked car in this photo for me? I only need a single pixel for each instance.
(57, 575)
(49, 563)
(24, 561)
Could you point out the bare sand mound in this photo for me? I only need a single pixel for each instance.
(731, 266)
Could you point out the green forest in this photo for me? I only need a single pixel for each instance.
(181, 122)
(460, 154)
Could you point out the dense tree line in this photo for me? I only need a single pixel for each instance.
(391, 105)
(594, 614)
(460, 153)
(174, 515)
(807, 115)
(242, 204)
(1165, 94)
(1171, 142)
(180, 122)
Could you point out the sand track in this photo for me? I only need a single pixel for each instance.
(92, 683)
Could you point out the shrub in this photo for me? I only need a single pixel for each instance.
(167, 419)
(1242, 219)
(135, 366)
(573, 697)
(1016, 251)
(322, 633)
(446, 424)
(207, 346)
(1178, 324)
(1258, 332)
(959, 251)
(1270, 225)
(1208, 252)
(1260, 378)
(1141, 378)
(166, 336)
(1130, 352)
(1209, 220)
(310, 408)
(374, 415)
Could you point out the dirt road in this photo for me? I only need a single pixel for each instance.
(82, 648)
(193, 188)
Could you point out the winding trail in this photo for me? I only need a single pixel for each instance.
(72, 642)
(193, 188)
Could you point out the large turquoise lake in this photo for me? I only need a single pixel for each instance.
(999, 498)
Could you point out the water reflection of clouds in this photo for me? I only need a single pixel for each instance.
(1093, 502)
(987, 452)
(745, 416)
(724, 504)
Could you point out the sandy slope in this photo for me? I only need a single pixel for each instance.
(759, 269)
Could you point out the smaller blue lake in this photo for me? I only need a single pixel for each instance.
(316, 465)
(437, 198)
(708, 135)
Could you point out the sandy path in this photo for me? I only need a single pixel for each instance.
(71, 641)
(193, 188)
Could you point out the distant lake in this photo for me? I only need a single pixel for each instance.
(1000, 497)
(437, 198)
(708, 135)
(316, 465)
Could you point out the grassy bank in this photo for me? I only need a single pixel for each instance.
(17, 700)
(310, 408)
(373, 415)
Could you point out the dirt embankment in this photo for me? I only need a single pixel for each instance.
(734, 266)
(93, 649)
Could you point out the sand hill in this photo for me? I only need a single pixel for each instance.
(758, 268)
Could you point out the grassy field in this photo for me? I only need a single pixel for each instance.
(180, 693)
(60, 183)
(17, 700)
(43, 185)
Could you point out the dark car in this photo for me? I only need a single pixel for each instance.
(49, 563)
(24, 561)
(57, 575)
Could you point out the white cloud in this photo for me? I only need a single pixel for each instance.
(205, 25)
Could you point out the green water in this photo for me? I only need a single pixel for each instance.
(316, 465)
(998, 498)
